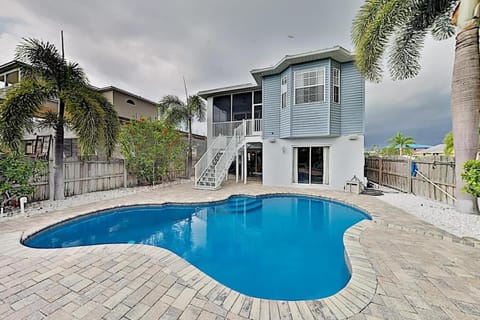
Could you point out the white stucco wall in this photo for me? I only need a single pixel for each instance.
(346, 160)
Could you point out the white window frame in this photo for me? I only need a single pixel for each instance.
(326, 163)
(336, 81)
(283, 91)
(317, 69)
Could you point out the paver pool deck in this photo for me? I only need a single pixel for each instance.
(402, 268)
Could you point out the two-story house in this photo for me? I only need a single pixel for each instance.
(301, 123)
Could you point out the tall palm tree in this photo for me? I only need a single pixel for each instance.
(176, 112)
(48, 76)
(400, 141)
(408, 22)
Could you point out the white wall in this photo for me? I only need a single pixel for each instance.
(346, 160)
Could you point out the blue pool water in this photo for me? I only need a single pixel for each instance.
(273, 247)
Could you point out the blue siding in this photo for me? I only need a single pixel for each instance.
(352, 100)
(285, 113)
(335, 109)
(271, 106)
(317, 119)
(311, 119)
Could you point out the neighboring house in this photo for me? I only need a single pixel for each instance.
(301, 123)
(128, 106)
(437, 150)
(416, 148)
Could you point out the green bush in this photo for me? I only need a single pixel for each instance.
(16, 173)
(471, 176)
(152, 149)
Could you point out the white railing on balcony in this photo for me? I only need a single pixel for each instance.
(224, 162)
(220, 143)
(253, 127)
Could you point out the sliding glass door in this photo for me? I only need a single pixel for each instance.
(310, 165)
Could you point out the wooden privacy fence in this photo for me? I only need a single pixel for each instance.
(435, 174)
(83, 176)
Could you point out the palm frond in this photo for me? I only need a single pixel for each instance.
(426, 12)
(43, 59)
(442, 27)
(172, 110)
(167, 102)
(196, 107)
(111, 128)
(74, 74)
(364, 18)
(371, 45)
(86, 117)
(22, 103)
(49, 119)
(405, 53)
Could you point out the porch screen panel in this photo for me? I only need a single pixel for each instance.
(242, 106)
(222, 109)
(257, 97)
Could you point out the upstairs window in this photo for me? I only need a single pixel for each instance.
(130, 101)
(309, 86)
(284, 91)
(336, 85)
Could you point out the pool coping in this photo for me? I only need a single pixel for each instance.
(350, 300)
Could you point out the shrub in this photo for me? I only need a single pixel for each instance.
(152, 149)
(471, 176)
(16, 173)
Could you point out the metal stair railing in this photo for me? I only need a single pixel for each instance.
(219, 144)
(224, 162)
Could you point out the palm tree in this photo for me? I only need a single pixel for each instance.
(175, 112)
(48, 76)
(400, 141)
(409, 21)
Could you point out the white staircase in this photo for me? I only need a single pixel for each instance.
(212, 168)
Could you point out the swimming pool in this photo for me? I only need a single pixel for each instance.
(284, 247)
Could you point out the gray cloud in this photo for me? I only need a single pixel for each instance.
(146, 46)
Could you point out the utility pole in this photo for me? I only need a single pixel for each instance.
(189, 125)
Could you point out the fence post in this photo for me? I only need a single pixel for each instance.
(409, 176)
(51, 179)
(380, 168)
(125, 175)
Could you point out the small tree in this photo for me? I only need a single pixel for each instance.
(448, 141)
(175, 112)
(400, 141)
(152, 149)
(16, 173)
(471, 176)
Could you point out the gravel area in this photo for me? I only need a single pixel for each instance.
(439, 214)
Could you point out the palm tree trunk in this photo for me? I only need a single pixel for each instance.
(189, 160)
(58, 180)
(465, 105)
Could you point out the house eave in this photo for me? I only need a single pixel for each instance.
(336, 53)
(228, 90)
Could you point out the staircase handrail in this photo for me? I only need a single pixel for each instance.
(202, 164)
(221, 167)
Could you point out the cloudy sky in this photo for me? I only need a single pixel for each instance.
(146, 46)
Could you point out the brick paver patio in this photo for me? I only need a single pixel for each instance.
(403, 268)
